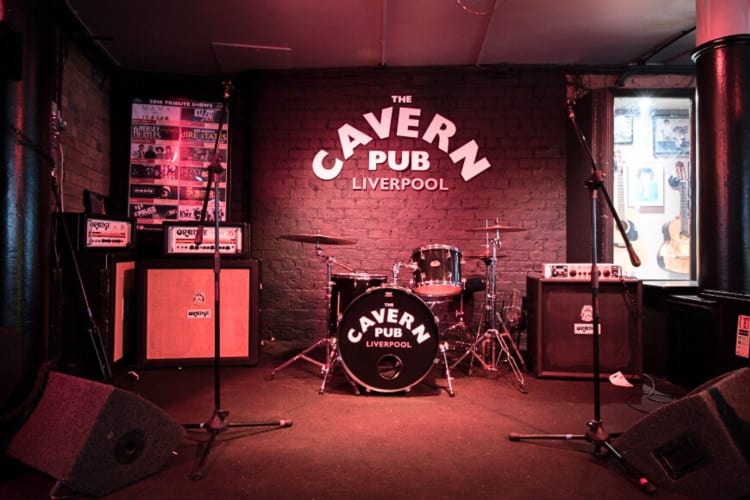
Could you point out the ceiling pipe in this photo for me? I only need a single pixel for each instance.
(643, 60)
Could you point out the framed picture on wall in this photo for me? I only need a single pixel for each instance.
(671, 133)
(646, 185)
(623, 128)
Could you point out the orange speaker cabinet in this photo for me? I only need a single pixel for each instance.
(177, 311)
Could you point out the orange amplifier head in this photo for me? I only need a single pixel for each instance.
(180, 238)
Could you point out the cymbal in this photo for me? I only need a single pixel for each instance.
(318, 239)
(482, 256)
(498, 227)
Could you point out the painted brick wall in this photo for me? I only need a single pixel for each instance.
(517, 119)
(85, 141)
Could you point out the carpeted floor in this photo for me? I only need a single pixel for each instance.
(420, 444)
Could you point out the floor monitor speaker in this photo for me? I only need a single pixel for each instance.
(560, 326)
(94, 438)
(698, 445)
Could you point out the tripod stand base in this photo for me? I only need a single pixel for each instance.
(601, 439)
(217, 424)
(304, 357)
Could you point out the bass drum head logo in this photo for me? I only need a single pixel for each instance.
(388, 339)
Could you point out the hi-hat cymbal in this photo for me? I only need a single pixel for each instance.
(318, 239)
(498, 227)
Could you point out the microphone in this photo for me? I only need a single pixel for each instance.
(633, 256)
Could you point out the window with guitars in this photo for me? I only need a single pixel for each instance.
(674, 253)
(651, 182)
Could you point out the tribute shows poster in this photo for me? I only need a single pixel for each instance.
(171, 149)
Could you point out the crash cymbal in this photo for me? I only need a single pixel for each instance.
(318, 239)
(498, 227)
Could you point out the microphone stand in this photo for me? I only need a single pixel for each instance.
(218, 422)
(595, 432)
(94, 333)
(102, 359)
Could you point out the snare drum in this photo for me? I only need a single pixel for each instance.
(388, 339)
(438, 271)
(346, 287)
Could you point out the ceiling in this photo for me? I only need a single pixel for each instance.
(224, 37)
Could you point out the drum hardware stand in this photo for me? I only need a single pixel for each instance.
(332, 359)
(57, 125)
(460, 325)
(443, 346)
(397, 268)
(329, 341)
(218, 422)
(595, 432)
(490, 361)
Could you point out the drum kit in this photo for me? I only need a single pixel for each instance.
(386, 336)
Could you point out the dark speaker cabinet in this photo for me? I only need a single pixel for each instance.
(560, 342)
(704, 335)
(92, 293)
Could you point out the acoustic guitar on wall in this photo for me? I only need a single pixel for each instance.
(674, 253)
(625, 216)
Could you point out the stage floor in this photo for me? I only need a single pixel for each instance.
(420, 444)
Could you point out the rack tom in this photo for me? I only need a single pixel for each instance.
(438, 272)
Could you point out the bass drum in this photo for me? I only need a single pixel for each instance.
(388, 339)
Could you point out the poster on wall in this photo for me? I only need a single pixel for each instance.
(172, 143)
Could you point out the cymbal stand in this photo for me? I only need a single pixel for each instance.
(329, 341)
(485, 339)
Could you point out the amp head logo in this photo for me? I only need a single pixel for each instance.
(587, 313)
(199, 297)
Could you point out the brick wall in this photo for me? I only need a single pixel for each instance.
(517, 120)
(85, 142)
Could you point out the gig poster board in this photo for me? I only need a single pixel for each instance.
(171, 147)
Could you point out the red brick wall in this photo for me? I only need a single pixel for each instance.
(85, 141)
(516, 118)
